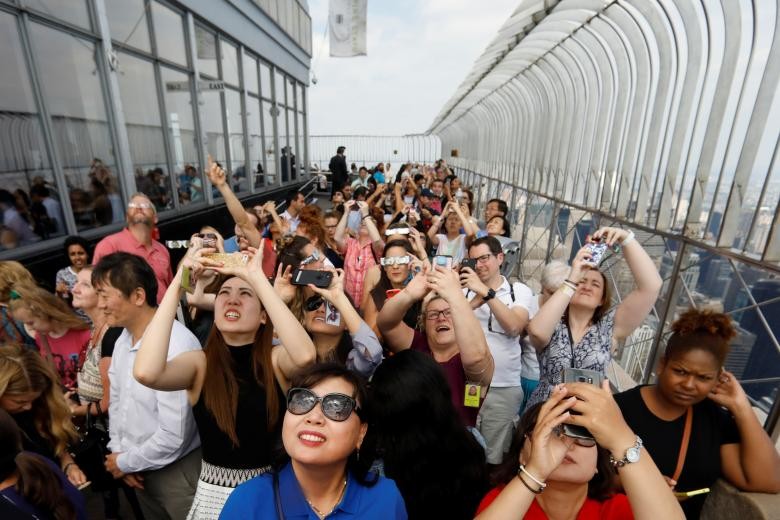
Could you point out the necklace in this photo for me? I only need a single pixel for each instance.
(322, 515)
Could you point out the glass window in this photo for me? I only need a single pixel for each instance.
(250, 74)
(235, 122)
(229, 63)
(72, 91)
(292, 145)
(255, 140)
(169, 32)
(74, 12)
(23, 157)
(207, 51)
(279, 78)
(265, 80)
(273, 11)
(269, 145)
(214, 129)
(127, 23)
(181, 135)
(300, 143)
(138, 89)
(281, 125)
(300, 105)
(290, 93)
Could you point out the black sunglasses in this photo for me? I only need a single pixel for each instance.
(336, 407)
(313, 303)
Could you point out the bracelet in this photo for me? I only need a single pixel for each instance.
(365, 217)
(525, 471)
(565, 289)
(572, 282)
(569, 283)
(629, 238)
(65, 469)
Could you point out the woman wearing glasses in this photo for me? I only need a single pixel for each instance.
(337, 330)
(547, 474)
(235, 384)
(398, 265)
(321, 474)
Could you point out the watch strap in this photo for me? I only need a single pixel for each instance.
(490, 295)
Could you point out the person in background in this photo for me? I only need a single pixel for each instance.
(41, 194)
(549, 475)
(359, 253)
(725, 438)
(331, 222)
(59, 333)
(296, 201)
(418, 439)
(235, 385)
(576, 327)
(450, 333)
(137, 239)
(503, 311)
(339, 177)
(31, 484)
(362, 180)
(553, 275)
(14, 221)
(12, 331)
(321, 473)
(154, 443)
(77, 251)
(494, 207)
(452, 242)
(30, 392)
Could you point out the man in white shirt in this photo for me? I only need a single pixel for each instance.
(503, 310)
(362, 179)
(154, 441)
(295, 203)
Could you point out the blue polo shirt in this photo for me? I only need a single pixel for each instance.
(254, 499)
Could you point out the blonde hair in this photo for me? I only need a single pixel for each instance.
(22, 371)
(12, 274)
(42, 303)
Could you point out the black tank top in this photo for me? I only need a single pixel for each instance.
(255, 441)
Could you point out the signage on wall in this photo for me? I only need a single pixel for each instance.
(184, 86)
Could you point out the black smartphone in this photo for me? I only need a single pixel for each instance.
(471, 263)
(580, 375)
(319, 279)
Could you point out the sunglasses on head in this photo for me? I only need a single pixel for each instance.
(336, 407)
(313, 303)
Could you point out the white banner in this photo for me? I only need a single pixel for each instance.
(347, 27)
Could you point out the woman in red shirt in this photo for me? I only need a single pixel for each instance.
(549, 475)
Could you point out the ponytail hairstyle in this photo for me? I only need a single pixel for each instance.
(701, 330)
(36, 481)
(22, 371)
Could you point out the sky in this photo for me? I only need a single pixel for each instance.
(419, 52)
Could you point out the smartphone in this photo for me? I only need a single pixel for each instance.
(443, 261)
(580, 375)
(597, 250)
(683, 495)
(319, 279)
(229, 259)
(471, 263)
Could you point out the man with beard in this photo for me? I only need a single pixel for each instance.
(137, 239)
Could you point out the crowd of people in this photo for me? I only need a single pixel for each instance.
(368, 361)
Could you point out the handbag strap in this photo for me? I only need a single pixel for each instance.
(277, 497)
(684, 444)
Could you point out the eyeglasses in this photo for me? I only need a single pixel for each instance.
(484, 258)
(336, 407)
(313, 257)
(434, 315)
(395, 260)
(585, 443)
(313, 303)
(139, 205)
(397, 231)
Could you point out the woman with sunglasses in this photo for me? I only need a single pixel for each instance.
(339, 333)
(321, 474)
(398, 265)
(547, 474)
(235, 384)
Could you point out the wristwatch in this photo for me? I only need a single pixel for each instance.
(489, 296)
(631, 456)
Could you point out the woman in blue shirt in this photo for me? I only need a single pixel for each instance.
(323, 475)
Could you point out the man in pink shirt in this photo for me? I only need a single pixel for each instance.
(136, 238)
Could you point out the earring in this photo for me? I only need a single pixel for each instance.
(357, 454)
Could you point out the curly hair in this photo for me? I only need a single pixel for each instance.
(701, 330)
(23, 371)
(42, 303)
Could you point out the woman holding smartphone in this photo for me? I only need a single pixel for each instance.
(576, 328)
(236, 384)
(359, 253)
(694, 394)
(452, 242)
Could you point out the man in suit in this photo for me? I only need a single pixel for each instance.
(338, 170)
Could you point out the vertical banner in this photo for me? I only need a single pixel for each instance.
(347, 28)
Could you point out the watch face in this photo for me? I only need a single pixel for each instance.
(632, 454)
